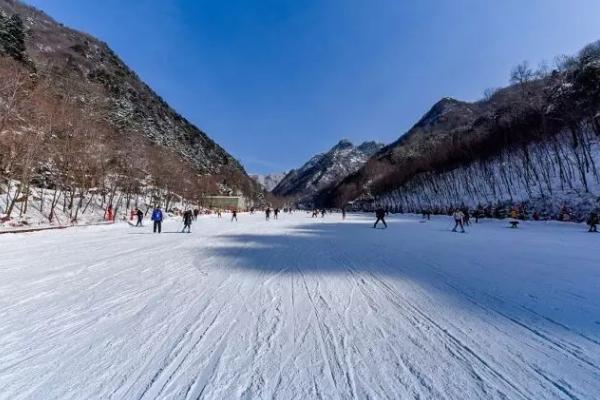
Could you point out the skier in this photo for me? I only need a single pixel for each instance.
(234, 215)
(593, 222)
(196, 212)
(466, 217)
(380, 214)
(343, 212)
(276, 213)
(323, 213)
(458, 216)
(219, 213)
(315, 213)
(157, 217)
(140, 216)
(187, 221)
(268, 213)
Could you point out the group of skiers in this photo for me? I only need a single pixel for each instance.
(460, 217)
(268, 212)
(316, 212)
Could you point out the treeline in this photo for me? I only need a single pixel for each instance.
(545, 177)
(55, 134)
(536, 137)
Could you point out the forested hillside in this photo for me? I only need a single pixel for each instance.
(75, 118)
(535, 142)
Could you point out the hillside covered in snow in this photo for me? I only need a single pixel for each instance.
(534, 144)
(269, 181)
(68, 102)
(325, 170)
(77, 124)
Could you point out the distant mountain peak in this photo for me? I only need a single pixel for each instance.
(370, 147)
(269, 181)
(343, 144)
(326, 169)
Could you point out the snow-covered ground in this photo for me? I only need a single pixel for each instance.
(301, 308)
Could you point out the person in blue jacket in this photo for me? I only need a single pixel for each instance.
(157, 217)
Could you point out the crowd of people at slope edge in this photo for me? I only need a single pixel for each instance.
(460, 215)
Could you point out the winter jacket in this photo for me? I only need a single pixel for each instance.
(458, 215)
(380, 213)
(157, 215)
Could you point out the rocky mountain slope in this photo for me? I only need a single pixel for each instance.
(533, 143)
(77, 65)
(326, 169)
(269, 181)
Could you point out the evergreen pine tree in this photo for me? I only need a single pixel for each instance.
(12, 36)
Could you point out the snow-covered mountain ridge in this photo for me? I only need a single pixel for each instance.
(325, 169)
(269, 181)
(533, 144)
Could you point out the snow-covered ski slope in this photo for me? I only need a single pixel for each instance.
(301, 308)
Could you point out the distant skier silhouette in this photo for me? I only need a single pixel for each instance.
(140, 217)
(458, 216)
(593, 222)
(187, 221)
(380, 215)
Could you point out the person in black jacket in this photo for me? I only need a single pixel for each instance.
(187, 221)
(140, 217)
(380, 214)
(593, 222)
(233, 215)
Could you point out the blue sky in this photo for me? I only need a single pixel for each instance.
(277, 81)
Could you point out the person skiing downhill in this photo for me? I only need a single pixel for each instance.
(268, 213)
(458, 216)
(380, 215)
(187, 221)
(140, 217)
(234, 215)
(157, 217)
(276, 213)
(315, 213)
(323, 213)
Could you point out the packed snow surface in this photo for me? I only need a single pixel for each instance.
(301, 308)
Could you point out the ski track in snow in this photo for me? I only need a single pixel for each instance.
(300, 308)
